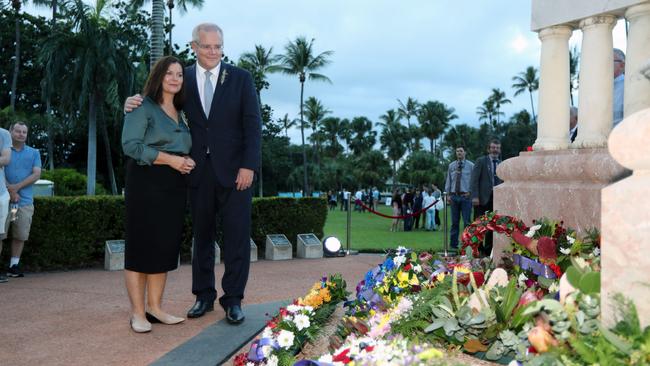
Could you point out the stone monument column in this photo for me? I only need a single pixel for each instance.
(626, 220)
(637, 87)
(554, 97)
(595, 108)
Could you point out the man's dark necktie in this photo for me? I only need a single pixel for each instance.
(459, 172)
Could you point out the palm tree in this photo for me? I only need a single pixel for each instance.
(499, 98)
(333, 129)
(287, 124)
(182, 5)
(360, 137)
(487, 112)
(434, 118)
(527, 81)
(158, 23)
(87, 65)
(300, 59)
(408, 110)
(17, 5)
(393, 138)
(259, 63)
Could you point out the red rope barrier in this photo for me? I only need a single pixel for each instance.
(395, 217)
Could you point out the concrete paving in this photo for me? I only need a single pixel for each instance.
(82, 317)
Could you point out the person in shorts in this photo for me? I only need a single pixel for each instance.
(23, 171)
(5, 158)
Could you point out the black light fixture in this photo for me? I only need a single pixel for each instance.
(332, 247)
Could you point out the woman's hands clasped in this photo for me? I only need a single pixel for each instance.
(183, 164)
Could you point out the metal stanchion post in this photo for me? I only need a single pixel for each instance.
(446, 252)
(349, 229)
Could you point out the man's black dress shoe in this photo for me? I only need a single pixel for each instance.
(234, 314)
(200, 308)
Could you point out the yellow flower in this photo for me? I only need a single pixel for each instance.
(404, 280)
(429, 354)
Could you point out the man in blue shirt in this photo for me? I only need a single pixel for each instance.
(458, 186)
(21, 174)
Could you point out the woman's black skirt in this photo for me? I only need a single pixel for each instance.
(156, 198)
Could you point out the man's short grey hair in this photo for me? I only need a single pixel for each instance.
(619, 55)
(205, 27)
(573, 112)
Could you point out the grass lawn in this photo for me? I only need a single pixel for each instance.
(372, 232)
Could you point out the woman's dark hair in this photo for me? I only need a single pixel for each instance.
(153, 87)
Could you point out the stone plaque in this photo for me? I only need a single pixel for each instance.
(278, 247)
(309, 246)
(217, 252)
(114, 255)
(253, 251)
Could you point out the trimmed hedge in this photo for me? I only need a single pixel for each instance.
(70, 232)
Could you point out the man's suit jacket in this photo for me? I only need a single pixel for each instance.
(231, 131)
(481, 182)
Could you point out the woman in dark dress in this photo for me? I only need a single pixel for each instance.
(156, 138)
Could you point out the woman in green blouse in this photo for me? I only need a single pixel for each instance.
(157, 140)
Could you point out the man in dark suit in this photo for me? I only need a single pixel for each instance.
(484, 179)
(224, 117)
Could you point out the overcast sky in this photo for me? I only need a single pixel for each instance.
(451, 51)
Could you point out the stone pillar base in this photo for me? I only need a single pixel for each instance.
(559, 184)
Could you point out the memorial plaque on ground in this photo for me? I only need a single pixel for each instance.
(278, 247)
(309, 246)
(114, 255)
(253, 251)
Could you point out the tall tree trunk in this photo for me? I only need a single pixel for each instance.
(532, 107)
(91, 170)
(107, 151)
(431, 144)
(50, 134)
(305, 185)
(14, 81)
(170, 5)
(157, 31)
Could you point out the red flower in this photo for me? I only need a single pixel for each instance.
(369, 348)
(342, 357)
(241, 359)
(556, 269)
(407, 267)
(283, 312)
(547, 249)
(425, 257)
(529, 148)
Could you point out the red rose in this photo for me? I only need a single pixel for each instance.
(556, 269)
(342, 357)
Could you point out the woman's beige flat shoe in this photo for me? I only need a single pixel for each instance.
(140, 325)
(164, 318)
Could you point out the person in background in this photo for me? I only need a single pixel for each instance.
(396, 203)
(619, 85)
(20, 174)
(457, 184)
(573, 124)
(5, 197)
(417, 206)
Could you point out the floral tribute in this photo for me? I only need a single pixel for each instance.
(413, 305)
(474, 234)
(284, 334)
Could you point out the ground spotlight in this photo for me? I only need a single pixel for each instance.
(332, 247)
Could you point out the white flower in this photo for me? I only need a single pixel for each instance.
(294, 308)
(571, 240)
(554, 287)
(521, 280)
(417, 268)
(531, 232)
(301, 321)
(565, 251)
(399, 260)
(596, 252)
(309, 309)
(267, 333)
(272, 361)
(401, 250)
(250, 364)
(266, 351)
(326, 359)
(285, 339)
(288, 318)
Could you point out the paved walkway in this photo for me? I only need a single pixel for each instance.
(81, 317)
